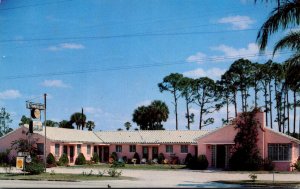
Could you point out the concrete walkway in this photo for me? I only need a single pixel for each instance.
(149, 178)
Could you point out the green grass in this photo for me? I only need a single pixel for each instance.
(131, 166)
(59, 177)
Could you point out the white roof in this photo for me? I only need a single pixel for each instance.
(69, 135)
(110, 137)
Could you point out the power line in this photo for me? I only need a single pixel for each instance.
(142, 66)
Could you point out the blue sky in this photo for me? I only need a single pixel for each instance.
(107, 56)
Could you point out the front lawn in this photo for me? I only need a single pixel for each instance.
(59, 177)
(131, 166)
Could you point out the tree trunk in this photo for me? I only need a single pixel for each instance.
(270, 99)
(187, 113)
(266, 105)
(288, 110)
(201, 109)
(278, 108)
(227, 109)
(175, 104)
(284, 110)
(235, 104)
(295, 113)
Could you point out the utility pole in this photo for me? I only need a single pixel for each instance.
(45, 146)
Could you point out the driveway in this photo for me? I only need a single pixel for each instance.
(149, 178)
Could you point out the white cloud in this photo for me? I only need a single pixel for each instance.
(55, 83)
(198, 58)
(63, 46)
(214, 73)
(10, 94)
(237, 22)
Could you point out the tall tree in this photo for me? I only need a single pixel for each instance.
(241, 72)
(285, 15)
(24, 120)
(127, 125)
(78, 118)
(186, 87)
(65, 124)
(5, 122)
(50, 123)
(171, 83)
(151, 117)
(205, 98)
(90, 125)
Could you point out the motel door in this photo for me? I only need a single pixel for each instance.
(154, 152)
(71, 154)
(145, 152)
(105, 154)
(221, 156)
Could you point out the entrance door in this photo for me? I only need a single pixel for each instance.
(145, 152)
(71, 154)
(221, 156)
(100, 153)
(105, 154)
(65, 150)
(154, 152)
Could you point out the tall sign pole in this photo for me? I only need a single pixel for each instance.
(45, 146)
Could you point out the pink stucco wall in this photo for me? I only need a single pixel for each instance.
(226, 135)
(20, 133)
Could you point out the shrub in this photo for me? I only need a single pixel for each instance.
(114, 155)
(137, 157)
(50, 159)
(188, 158)
(95, 158)
(116, 164)
(268, 165)
(198, 163)
(297, 165)
(114, 173)
(13, 161)
(34, 168)
(125, 159)
(161, 158)
(64, 160)
(80, 160)
(4, 159)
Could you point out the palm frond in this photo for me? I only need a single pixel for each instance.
(292, 41)
(287, 14)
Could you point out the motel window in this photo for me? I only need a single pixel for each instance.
(118, 148)
(169, 148)
(40, 148)
(132, 148)
(279, 152)
(78, 148)
(88, 149)
(184, 149)
(57, 149)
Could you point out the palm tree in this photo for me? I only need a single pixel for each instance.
(127, 125)
(79, 119)
(90, 125)
(286, 14)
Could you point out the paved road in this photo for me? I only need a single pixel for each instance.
(146, 178)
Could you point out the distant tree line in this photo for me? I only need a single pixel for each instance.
(269, 85)
(78, 119)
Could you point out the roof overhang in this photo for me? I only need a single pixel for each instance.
(148, 144)
(218, 143)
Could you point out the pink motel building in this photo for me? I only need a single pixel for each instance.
(282, 149)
